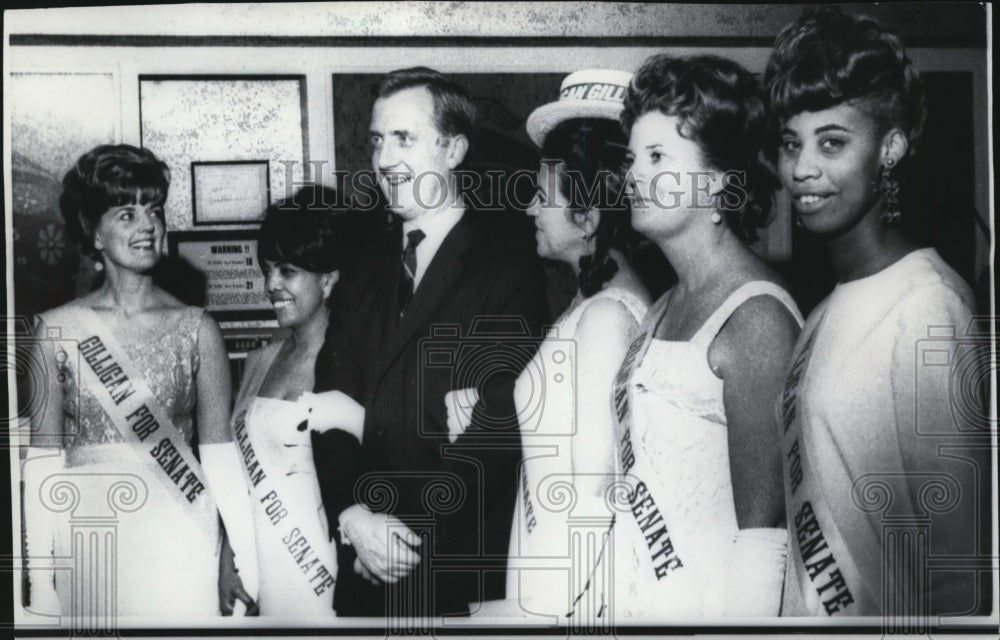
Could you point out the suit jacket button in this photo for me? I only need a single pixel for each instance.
(381, 433)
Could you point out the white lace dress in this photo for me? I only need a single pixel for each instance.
(672, 546)
(127, 545)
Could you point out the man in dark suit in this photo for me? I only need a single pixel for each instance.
(444, 303)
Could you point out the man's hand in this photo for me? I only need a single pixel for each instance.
(359, 569)
(459, 404)
(385, 546)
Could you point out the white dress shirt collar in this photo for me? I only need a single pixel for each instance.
(436, 229)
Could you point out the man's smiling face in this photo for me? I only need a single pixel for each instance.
(409, 154)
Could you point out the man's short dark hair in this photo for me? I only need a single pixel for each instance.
(454, 113)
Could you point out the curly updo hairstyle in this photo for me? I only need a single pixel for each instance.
(828, 57)
(311, 231)
(109, 176)
(590, 153)
(719, 105)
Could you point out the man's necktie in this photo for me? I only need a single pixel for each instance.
(408, 269)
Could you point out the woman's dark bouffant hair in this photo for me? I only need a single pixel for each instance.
(109, 176)
(309, 230)
(592, 152)
(828, 57)
(720, 106)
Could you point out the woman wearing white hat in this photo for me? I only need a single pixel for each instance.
(562, 520)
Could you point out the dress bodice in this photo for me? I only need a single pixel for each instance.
(167, 542)
(550, 512)
(286, 501)
(547, 386)
(168, 361)
(675, 456)
(865, 379)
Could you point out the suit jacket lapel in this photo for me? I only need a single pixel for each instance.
(445, 268)
(377, 295)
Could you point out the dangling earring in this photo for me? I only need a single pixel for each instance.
(889, 187)
(716, 217)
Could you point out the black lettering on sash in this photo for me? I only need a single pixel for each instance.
(120, 396)
(309, 565)
(794, 466)
(656, 535)
(299, 550)
(254, 470)
(529, 509)
(142, 422)
(823, 571)
(642, 499)
(99, 365)
(815, 568)
(650, 520)
(789, 392)
(621, 402)
(89, 345)
(626, 454)
(621, 379)
(812, 546)
(108, 372)
(176, 477)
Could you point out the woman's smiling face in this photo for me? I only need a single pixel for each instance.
(829, 162)
(131, 235)
(296, 294)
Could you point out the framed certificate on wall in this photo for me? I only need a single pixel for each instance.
(235, 192)
(234, 284)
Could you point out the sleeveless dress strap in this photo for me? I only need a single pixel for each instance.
(752, 289)
(633, 303)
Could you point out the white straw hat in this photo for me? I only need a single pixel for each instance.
(590, 93)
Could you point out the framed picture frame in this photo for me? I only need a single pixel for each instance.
(234, 192)
(234, 284)
(197, 124)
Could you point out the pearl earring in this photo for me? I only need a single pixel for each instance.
(716, 217)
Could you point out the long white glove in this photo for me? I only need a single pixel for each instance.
(756, 573)
(334, 410)
(227, 483)
(39, 529)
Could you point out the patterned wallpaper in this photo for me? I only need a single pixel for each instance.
(55, 118)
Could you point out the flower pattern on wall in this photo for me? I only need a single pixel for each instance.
(54, 119)
(51, 244)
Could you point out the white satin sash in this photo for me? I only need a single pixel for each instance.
(301, 551)
(126, 397)
(826, 574)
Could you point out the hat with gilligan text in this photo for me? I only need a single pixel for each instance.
(590, 93)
